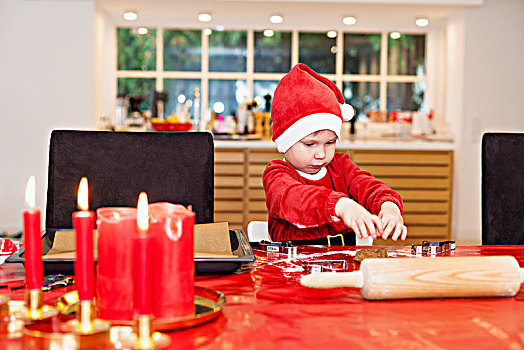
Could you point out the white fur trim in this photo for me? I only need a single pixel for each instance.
(307, 125)
(319, 175)
(347, 111)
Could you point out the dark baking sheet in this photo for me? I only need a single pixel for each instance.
(239, 245)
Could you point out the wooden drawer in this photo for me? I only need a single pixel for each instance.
(229, 193)
(229, 206)
(407, 170)
(229, 156)
(263, 157)
(401, 157)
(236, 218)
(229, 169)
(229, 181)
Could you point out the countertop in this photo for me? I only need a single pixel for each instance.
(374, 143)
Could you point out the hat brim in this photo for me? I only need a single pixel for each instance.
(307, 125)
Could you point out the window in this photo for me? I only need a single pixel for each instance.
(272, 53)
(318, 52)
(374, 71)
(182, 50)
(228, 51)
(136, 51)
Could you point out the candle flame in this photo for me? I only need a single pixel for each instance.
(30, 192)
(83, 195)
(142, 214)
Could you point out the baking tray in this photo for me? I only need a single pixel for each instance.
(239, 245)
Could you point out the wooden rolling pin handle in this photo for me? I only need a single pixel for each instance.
(333, 279)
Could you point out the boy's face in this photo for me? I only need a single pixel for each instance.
(312, 152)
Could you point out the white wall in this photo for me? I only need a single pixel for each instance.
(46, 61)
(490, 71)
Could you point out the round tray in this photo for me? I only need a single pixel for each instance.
(208, 306)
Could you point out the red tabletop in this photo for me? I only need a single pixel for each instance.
(268, 308)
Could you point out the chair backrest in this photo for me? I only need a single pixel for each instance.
(258, 231)
(503, 188)
(172, 167)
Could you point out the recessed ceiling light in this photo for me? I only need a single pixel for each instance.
(208, 31)
(331, 34)
(219, 28)
(204, 17)
(142, 30)
(394, 35)
(276, 19)
(130, 15)
(422, 22)
(349, 20)
(268, 33)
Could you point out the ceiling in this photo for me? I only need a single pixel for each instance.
(298, 14)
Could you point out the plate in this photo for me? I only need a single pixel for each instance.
(208, 306)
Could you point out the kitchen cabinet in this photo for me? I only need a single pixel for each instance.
(423, 177)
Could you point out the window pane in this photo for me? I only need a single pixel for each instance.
(138, 89)
(317, 51)
(406, 96)
(182, 50)
(362, 96)
(227, 51)
(228, 92)
(362, 53)
(262, 88)
(406, 55)
(136, 51)
(273, 54)
(183, 88)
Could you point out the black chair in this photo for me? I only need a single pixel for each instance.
(503, 188)
(172, 167)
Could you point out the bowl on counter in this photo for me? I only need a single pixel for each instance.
(166, 126)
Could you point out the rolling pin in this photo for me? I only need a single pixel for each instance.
(443, 277)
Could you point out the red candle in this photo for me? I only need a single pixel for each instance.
(34, 270)
(142, 258)
(114, 287)
(84, 224)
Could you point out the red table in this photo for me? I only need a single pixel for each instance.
(268, 308)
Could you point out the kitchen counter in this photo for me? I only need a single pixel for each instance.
(375, 143)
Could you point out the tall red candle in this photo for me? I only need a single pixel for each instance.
(34, 269)
(142, 260)
(84, 224)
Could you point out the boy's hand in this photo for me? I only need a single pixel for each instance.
(358, 218)
(392, 221)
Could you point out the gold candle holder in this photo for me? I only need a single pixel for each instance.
(35, 308)
(86, 322)
(145, 337)
(10, 326)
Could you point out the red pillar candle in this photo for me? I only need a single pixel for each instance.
(114, 289)
(172, 226)
(34, 270)
(171, 229)
(142, 259)
(84, 224)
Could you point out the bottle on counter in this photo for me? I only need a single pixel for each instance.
(250, 124)
(242, 118)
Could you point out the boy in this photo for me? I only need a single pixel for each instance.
(315, 194)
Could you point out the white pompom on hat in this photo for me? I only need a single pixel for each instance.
(306, 102)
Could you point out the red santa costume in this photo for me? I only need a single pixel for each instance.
(302, 206)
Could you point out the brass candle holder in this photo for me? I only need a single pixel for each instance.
(86, 322)
(146, 338)
(10, 326)
(35, 308)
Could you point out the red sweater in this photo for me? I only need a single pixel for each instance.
(301, 208)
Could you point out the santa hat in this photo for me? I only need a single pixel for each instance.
(306, 102)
